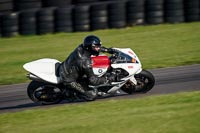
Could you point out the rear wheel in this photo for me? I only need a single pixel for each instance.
(44, 93)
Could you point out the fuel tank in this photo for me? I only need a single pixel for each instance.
(100, 64)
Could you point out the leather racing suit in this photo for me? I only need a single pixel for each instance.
(79, 63)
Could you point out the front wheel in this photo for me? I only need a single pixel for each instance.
(44, 93)
(145, 81)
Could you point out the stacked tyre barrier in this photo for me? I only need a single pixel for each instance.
(0, 28)
(154, 12)
(28, 22)
(135, 12)
(63, 19)
(117, 14)
(81, 18)
(192, 10)
(20, 5)
(37, 17)
(174, 11)
(83, 1)
(6, 6)
(99, 16)
(45, 21)
(9, 25)
(56, 3)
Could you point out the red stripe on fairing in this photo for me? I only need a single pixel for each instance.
(130, 66)
(131, 52)
(100, 61)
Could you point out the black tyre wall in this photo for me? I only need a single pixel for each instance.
(192, 10)
(9, 24)
(0, 26)
(6, 6)
(63, 19)
(86, 15)
(135, 12)
(28, 22)
(81, 18)
(99, 16)
(83, 1)
(154, 11)
(56, 3)
(174, 11)
(45, 20)
(117, 14)
(20, 5)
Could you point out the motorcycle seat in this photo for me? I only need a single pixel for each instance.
(57, 69)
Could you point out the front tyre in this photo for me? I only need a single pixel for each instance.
(145, 81)
(44, 93)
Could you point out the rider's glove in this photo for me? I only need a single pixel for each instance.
(104, 49)
(112, 51)
(108, 50)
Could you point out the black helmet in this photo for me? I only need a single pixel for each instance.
(92, 44)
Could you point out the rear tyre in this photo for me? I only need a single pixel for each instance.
(44, 93)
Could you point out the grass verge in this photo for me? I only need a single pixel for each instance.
(157, 46)
(177, 113)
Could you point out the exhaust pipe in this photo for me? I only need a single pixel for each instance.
(33, 77)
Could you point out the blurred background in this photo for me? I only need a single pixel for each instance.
(37, 17)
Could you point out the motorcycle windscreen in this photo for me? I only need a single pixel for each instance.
(100, 64)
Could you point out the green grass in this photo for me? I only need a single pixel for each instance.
(157, 46)
(177, 113)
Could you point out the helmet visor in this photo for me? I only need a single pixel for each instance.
(96, 47)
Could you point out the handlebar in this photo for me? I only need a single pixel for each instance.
(109, 50)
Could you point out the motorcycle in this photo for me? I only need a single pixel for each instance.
(47, 88)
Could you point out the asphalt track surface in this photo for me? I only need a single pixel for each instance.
(14, 98)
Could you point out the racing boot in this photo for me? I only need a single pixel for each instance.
(89, 95)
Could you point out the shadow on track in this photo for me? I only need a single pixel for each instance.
(27, 106)
(18, 107)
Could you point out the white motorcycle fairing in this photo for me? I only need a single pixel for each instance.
(44, 69)
(132, 68)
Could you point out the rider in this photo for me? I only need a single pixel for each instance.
(79, 63)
